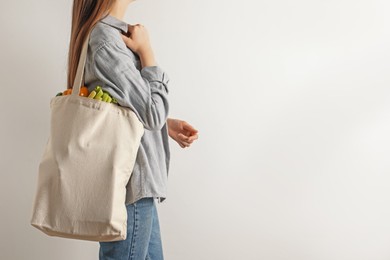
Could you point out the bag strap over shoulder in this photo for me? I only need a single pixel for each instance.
(80, 68)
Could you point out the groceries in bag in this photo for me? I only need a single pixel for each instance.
(98, 93)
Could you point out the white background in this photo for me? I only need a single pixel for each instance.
(292, 103)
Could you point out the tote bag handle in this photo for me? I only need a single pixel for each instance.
(80, 68)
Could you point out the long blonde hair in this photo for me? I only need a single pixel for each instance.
(85, 14)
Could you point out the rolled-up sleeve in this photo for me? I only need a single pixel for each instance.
(144, 91)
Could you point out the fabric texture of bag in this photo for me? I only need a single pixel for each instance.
(87, 162)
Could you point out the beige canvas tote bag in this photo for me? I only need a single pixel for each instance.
(86, 164)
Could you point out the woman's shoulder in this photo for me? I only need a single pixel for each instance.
(103, 34)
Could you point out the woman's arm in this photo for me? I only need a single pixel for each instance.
(145, 91)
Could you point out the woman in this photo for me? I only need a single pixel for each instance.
(120, 60)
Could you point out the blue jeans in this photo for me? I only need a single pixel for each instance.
(143, 241)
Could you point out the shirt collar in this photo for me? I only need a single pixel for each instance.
(115, 22)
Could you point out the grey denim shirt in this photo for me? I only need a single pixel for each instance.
(117, 69)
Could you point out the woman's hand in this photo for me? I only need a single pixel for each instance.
(138, 41)
(182, 132)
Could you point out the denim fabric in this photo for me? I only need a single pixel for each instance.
(143, 241)
(117, 69)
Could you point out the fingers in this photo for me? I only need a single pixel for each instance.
(124, 37)
(186, 141)
(128, 41)
(192, 138)
(131, 28)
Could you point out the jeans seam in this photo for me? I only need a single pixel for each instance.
(134, 232)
